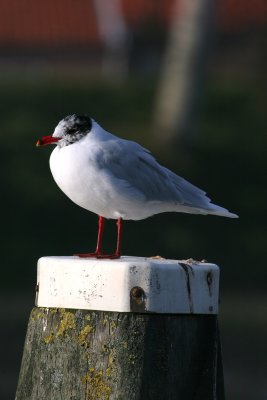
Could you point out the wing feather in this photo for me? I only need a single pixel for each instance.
(138, 171)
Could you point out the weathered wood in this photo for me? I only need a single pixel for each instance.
(91, 355)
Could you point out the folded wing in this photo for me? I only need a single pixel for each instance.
(142, 176)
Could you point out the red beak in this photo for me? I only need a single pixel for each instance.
(47, 140)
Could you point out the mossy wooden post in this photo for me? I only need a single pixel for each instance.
(127, 329)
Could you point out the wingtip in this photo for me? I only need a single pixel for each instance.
(222, 212)
(232, 215)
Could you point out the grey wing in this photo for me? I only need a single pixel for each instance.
(138, 170)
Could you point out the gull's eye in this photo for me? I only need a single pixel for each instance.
(71, 131)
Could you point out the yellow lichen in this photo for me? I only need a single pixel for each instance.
(112, 325)
(96, 387)
(111, 360)
(82, 338)
(67, 322)
(49, 338)
(110, 371)
(88, 317)
(38, 313)
(33, 314)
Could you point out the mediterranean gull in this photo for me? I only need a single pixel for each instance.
(117, 178)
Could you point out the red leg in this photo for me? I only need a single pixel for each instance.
(101, 223)
(119, 227)
(117, 253)
(98, 251)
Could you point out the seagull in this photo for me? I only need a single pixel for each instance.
(117, 178)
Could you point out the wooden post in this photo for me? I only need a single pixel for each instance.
(126, 329)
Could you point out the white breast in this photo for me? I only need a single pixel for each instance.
(70, 167)
(76, 173)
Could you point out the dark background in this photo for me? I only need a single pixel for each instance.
(47, 73)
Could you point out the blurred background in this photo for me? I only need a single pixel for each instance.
(185, 78)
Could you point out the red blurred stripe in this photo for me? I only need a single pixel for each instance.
(57, 22)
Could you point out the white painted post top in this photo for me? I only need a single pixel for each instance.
(128, 284)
